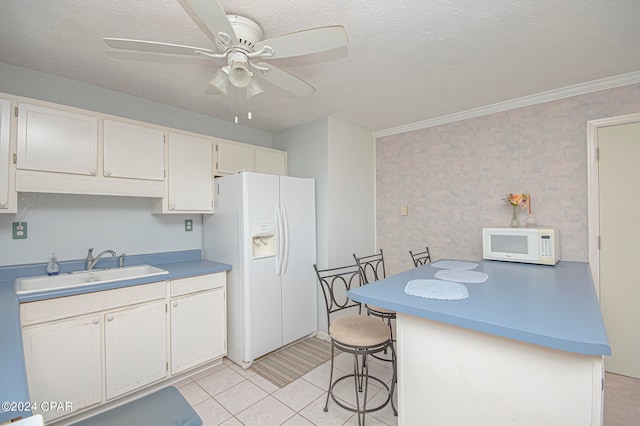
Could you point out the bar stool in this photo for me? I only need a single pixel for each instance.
(372, 269)
(358, 335)
(420, 258)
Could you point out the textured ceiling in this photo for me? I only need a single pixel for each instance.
(406, 61)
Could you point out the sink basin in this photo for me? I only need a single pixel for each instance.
(83, 278)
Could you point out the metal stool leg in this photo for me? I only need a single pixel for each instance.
(326, 403)
(394, 379)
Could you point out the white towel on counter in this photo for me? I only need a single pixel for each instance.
(454, 264)
(436, 289)
(462, 276)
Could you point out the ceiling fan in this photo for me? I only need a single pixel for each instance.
(239, 40)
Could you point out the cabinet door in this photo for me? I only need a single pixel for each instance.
(271, 161)
(57, 141)
(132, 151)
(197, 329)
(190, 177)
(135, 347)
(235, 157)
(5, 107)
(64, 362)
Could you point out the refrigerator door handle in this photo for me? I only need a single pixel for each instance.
(280, 242)
(285, 257)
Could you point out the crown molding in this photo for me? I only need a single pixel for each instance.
(538, 98)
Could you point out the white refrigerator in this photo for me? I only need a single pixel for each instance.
(265, 227)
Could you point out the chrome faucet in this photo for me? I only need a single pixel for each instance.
(91, 261)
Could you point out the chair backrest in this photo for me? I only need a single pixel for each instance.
(371, 267)
(335, 282)
(420, 258)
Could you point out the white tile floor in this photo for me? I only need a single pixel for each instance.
(229, 395)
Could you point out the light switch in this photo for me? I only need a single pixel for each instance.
(404, 210)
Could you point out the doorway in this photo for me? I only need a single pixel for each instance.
(614, 147)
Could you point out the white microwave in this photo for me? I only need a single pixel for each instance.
(527, 245)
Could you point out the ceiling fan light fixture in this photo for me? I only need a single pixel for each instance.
(253, 88)
(220, 80)
(239, 74)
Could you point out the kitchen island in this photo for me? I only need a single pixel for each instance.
(526, 347)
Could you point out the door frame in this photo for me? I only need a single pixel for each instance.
(593, 189)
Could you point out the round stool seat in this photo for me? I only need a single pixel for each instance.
(359, 331)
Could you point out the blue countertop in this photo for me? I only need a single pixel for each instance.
(552, 306)
(13, 386)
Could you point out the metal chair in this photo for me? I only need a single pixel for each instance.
(372, 269)
(421, 258)
(358, 335)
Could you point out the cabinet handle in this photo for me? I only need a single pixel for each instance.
(175, 304)
(96, 321)
(172, 207)
(3, 204)
(107, 173)
(92, 172)
(109, 317)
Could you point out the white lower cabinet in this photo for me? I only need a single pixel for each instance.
(94, 348)
(197, 329)
(64, 362)
(135, 347)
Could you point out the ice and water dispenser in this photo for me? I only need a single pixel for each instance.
(263, 240)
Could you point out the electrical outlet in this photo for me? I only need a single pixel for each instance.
(188, 225)
(404, 210)
(19, 230)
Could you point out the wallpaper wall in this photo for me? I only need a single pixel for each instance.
(453, 177)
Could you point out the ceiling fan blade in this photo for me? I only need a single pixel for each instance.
(153, 47)
(213, 16)
(306, 42)
(286, 81)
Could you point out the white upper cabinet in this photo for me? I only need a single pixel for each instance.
(235, 157)
(49, 148)
(189, 175)
(133, 151)
(7, 192)
(56, 140)
(66, 151)
(271, 161)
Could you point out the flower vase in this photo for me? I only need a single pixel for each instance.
(515, 223)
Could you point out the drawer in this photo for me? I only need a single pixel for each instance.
(199, 283)
(70, 306)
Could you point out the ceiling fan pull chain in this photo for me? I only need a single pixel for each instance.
(236, 119)
(249, 113)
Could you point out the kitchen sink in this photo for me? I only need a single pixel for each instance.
(83, 278)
